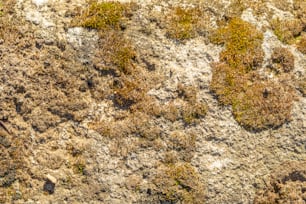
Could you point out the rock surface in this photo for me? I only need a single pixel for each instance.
(51, 94)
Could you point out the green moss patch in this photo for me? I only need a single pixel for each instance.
(183, 23)
(103, 15)
(257, 103)
(243, 44)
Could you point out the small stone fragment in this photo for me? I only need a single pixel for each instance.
(49, 185)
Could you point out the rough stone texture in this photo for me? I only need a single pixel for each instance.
(40, 80)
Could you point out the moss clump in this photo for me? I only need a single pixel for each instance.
(179, 183)
(182, 145)
(102, 15)
(115, 53)
(262, 105)
(182, 23)
(226, 82)
(192, 110)
(299, 11)
(8, 23)
(130, 93)
(243, 45)
(301, 45)
(79, 167)
(243, 54)
(287, 30)
(188, 93)
(235, 9)
(187, 108)
(287, 185)
(12, 164)
(257, 104)
(282, 59)
(192, 113)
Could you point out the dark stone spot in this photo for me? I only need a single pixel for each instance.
(18, 105)
(20, 89)
(90, 83)
(49, 187)
(265, 93)
(47, 64)
(38, 45)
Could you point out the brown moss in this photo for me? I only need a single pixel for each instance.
(12, 164)
(242, 42)
(282, 5)
(287, 184)
(183, 23)
(263, 105)
(130, 93)
(103, 15)
(256, 103)
(235, 9)
(115, 53)
(299, 11)
(141, 125)
(282, 59)
(301, 45)
(79, 166)
(188, 93)
(179, 183)
(183, 144)
(226, 82)
(189, 113)
(170, 157)
(171, 111)
(1, 9)
(9, 31)
(287, 29)
(192, 113)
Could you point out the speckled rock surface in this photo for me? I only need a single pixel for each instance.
(47, 102)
